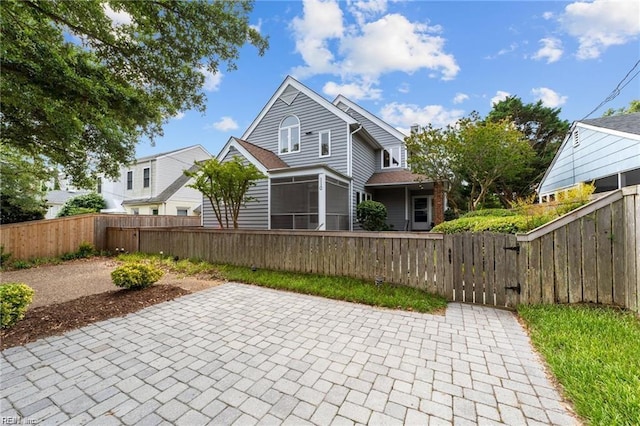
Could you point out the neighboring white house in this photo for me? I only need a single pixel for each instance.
(156, 185)
(57, 198)
(605, 151)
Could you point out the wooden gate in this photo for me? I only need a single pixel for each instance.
(483, 268)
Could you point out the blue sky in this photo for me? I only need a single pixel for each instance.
(423, 62)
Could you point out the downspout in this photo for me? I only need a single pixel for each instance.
(350, 173)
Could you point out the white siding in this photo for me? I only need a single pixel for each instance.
(597, 155)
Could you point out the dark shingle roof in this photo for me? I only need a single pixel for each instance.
(628, 123)
(168, 192)
(391, 177)
(268, 159)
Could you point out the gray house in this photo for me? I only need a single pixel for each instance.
(321, 160)
(605, 151)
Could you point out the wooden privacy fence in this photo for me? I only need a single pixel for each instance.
(590, 255)
(50, 238)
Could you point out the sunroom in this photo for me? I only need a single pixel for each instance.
(314, 197)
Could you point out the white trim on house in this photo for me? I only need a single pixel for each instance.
(386, 126)
(320, 133)
(613, 132)
(232, 142)
(290, 81)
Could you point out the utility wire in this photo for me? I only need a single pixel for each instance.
(618, 88)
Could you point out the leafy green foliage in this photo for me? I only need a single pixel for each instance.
(593, 353)
(634, 106)
(226, 186)
(135, 276)
(4, 256)
(84, 251)
(372, 216)
(339, 288)
(490, 212)
(81, 89)
(510, 224)
(82, 204)
(14, 301)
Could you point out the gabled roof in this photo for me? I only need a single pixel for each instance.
(267, 158)
(168, 191)
(61, 197)
(371, 117)
(164, 154)
(396, 177)
(627, 123)
(292, 82)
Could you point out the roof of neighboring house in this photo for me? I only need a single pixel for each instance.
(396, 177)
(61, 197)
(628, 123)
(268, 159)
(168, 192)
(163, 154)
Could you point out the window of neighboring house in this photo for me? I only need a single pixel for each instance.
(146, 177)
(135, 211)
(325, 143)
(391, 157)
(182, 211)
(289, 137)
(154, 212)
(99, 184)
(130, 179)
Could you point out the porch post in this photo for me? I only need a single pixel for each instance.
(322, 202)
(438, 202)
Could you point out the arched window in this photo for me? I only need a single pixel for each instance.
(289, 135)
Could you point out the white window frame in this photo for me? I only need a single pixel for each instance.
(390, 150)
(328, 133)
(129, 187)
(185, 209)
(289, 130)
(146, 177)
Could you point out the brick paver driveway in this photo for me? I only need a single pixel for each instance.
(239, 354)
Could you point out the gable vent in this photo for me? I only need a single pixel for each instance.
(576, 137)
(289, 94)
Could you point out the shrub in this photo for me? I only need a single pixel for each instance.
(135, 275)
(90, 203)
(4, 256)
(14, 301)
(502, 224)
(372, 216)
(490, 212)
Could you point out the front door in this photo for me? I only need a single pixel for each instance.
(421, 218)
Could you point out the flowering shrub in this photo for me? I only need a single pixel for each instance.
(135, 276)
(14, 301)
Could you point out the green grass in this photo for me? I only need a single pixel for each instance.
(595, 354)
(339, 288)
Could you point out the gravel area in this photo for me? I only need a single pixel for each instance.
(83, 277)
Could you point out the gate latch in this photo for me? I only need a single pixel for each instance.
(516, 288)
(514, 248)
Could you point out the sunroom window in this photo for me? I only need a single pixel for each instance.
(289, 135)
(391, 157)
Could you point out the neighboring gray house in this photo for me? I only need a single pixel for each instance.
(57, 198)
(605, 151)
(321, 159)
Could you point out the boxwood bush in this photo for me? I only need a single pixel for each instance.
(14, 301)
(510, 224)
(135, 276)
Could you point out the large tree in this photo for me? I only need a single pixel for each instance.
(226, 186)
(84, 81)
(544, 130)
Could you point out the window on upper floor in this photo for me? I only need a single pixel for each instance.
(130, 179)
(146, 177)
(289, 137)
(324, 139)
(391, 157)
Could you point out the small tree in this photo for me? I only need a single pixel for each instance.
(226, 186)
(372, 216)
(89, 203)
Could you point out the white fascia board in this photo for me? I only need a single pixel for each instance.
(246, 154)
(309, 170)
(619, 133)
(290, 81)
(379, 122)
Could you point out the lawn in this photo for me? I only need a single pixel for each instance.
(595, 355)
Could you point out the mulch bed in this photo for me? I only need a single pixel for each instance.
(56, 319)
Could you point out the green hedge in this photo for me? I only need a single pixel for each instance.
(14, 301)
(506, 224)
(135, 276)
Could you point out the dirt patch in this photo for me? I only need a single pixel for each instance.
(80, 292)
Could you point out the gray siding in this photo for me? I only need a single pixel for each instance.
(363, 168)
(393, 199)
(597, 155)
(313, 118)
(254, 215)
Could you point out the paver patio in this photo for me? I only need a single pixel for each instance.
(239, 354)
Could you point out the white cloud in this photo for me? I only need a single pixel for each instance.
(512, 48)
(225, 124)
(403, 116)
(548, 97)
(551, 50)
(501, 95)
(354, 91)
(373, 46)
(117, 17)
(211, 81)
(600, 24)
(460, 98)
(548, 15)
(404, 88)
(178, 116)
(257, 26)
